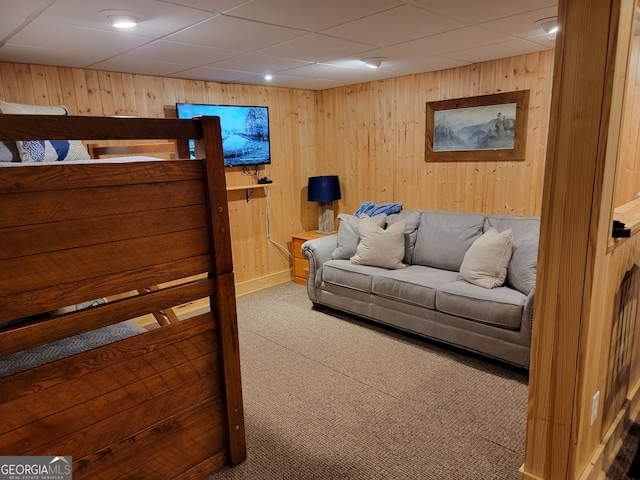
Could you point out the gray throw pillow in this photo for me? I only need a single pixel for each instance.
(412, 220)
(521, 274)
(348, 235)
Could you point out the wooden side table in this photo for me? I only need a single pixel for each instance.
(300, 264)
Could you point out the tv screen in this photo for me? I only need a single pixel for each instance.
(245, 131)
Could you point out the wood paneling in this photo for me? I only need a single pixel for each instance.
(628, 182)
(578, 274)
(372, 135)
(292, 121)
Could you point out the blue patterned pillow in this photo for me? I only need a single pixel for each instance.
(52, 150)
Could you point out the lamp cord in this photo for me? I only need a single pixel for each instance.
(283, 250)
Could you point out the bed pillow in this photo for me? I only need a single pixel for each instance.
(348, 236)
(9, 152)
(486, 261)
(52, 150)
(40, 150)
(26, 109)
(379, 247)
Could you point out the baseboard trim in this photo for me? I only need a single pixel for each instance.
(201, 306)
(522, 475)
(605, 454)
(261, 283)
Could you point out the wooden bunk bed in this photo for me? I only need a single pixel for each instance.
(162, 404)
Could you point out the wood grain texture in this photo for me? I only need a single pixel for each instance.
(155, 405)
(573, 316)
(372, 135)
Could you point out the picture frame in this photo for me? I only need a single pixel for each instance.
(483, 128)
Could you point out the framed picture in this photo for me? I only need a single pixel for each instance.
(487, 127)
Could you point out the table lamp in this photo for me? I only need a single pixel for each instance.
(325, 190)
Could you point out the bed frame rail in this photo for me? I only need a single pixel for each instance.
(163, 404)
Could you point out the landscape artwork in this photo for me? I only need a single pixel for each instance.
(486, 127)
(476, 128)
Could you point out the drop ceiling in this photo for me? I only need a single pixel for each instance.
(307, 44)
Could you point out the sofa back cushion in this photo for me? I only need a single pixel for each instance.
(444, 237)
(521, 273)
(412, 220)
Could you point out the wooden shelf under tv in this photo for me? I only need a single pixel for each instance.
(248, 188)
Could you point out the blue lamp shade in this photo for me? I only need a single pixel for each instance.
(325, 188)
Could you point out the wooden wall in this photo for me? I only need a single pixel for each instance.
(373, 136)
(628, 183)
(292, 118)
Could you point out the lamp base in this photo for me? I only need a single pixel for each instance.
(326, 217)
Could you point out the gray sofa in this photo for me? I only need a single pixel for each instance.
(427, 293)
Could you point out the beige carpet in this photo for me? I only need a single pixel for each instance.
(329, 397)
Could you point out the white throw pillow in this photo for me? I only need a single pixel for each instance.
(379, 247)
(486, 262)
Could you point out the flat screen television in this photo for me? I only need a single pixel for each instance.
(245, 131)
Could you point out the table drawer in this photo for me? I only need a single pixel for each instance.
(300, 268)
(297, 247)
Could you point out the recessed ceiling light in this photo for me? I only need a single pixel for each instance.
(549, 25)
(373, 62)
(123, 21)
(122, 18)
(268, 77)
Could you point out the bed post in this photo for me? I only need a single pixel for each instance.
(224, 307)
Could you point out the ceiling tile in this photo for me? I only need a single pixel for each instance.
(315, 48)
(240, 40)
(463, 39)
(408, 22)
(176, 52)
(311, 15)
(214, 74)
(8, 24)
(138, 66)
(45, 56)
(160, 18)
(258, 64)
(98, 44)
(22, 8)
(523, 25)
(475, 12)
(217, 6)
(497, 50)
(232, 33)
(428, 64)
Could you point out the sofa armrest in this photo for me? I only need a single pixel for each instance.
(526, 328)
(317, 251)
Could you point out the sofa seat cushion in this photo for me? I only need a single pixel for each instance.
(501, 306)
(346, 274)
(415, 284)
